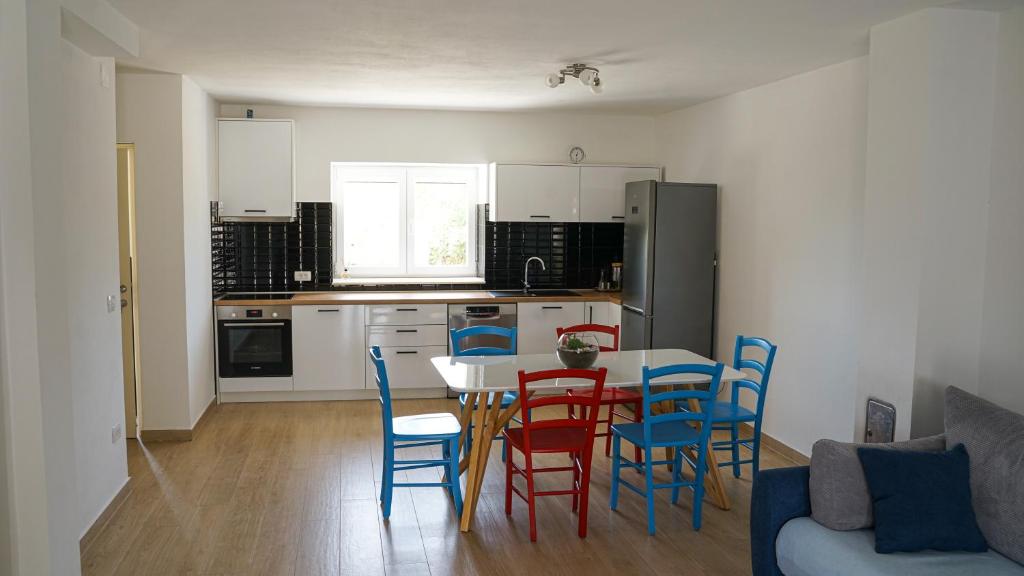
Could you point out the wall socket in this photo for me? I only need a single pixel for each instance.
(303, 275)
(115, 433)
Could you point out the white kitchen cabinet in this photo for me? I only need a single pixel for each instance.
(408, 367)
(327, 347)
(534, 193)
(256, 169)
(605, 313)
(539, 321)
(603, 190)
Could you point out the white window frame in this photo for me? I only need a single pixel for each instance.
(406, 176)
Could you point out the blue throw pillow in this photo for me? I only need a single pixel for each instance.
(921, 500)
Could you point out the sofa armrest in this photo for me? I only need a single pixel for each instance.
(778, 496)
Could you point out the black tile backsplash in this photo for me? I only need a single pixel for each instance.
(263, 256)
(574, 252)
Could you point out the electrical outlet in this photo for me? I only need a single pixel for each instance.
(303, 275)
(115, 433)
(112, 302)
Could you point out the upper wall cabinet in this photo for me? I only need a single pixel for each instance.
(562, 193)
(256, 169)
(534, 193)
(603, 190)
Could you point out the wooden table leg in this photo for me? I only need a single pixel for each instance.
(464, 419)
(713, 479)
(474, 466)
(490, 429)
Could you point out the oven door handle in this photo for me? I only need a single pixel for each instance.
(252, 324)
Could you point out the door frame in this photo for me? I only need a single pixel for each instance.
(132, 387)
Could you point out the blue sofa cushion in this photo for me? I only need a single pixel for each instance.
(921, 500)
(806, 548)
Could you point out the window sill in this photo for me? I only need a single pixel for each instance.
(408, 280)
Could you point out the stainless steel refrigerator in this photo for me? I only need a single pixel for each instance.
(669, 266)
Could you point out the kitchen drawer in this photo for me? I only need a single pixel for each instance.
(422, 335)
(408, 367)
(272, 384)
(539, 321)
(406, 314)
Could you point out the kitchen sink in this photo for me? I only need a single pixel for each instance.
(520, 293)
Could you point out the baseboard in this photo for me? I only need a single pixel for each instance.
(205, 416)
(329, 395)
(778, 447)
(166, 436)
(103, 517)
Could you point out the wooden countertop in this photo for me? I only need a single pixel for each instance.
(420, 297)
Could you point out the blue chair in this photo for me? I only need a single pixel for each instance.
(729, 415)
(672, 430)
(414, 432)
(507, 398)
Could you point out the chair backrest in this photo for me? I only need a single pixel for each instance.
(714, 372)
(763, 369)
(383, 388)
(528, 403)
(602, 328)
(458, 336)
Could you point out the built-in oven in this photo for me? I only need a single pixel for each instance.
(254, 342)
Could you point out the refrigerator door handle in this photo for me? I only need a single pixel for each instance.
(633, 309)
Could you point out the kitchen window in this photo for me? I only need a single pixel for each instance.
(406, 220)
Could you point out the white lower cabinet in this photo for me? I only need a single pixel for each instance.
(408, 367)
(605, 313)
(539, 321)
(328, 348)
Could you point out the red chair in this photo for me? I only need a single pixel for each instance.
(612, 396)
(572, 436)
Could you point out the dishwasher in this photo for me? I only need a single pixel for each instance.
(466, 315)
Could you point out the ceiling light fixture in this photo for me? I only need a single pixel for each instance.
(587, 75)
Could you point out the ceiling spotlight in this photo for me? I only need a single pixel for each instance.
(553, 80)
(587, 75)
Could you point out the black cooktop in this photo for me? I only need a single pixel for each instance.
(263, 296)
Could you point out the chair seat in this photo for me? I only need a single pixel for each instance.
(610, 395)
(426, 425)
(729, 412)
(662, 434)
(507, 399)
(549, 439)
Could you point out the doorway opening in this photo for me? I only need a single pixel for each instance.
(129, 278)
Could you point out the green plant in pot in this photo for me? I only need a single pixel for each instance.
(577, 349)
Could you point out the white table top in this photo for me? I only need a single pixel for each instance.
(499, 373)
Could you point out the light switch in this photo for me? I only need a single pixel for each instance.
(112, 302)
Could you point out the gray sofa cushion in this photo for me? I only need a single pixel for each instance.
(994, 438)
(840, 499)
(806, 548)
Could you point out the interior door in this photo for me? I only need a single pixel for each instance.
(126, 262)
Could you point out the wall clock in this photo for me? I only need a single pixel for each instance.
(576, 155)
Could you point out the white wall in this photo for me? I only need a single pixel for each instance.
(198, 168)
(25, 498)
(325, 135)
(46, 145)
(928, 168)
(1002, 330)
(171, 122)
(90, 230)
(149, 114)
(789, 160)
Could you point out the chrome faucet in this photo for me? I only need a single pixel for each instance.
(526, 272)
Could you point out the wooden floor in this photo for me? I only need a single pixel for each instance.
(291, 488)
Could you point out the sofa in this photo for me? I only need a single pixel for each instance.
(790, 505)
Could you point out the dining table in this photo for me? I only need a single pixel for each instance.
(484, 379)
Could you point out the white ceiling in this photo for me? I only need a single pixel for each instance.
(654, 55)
